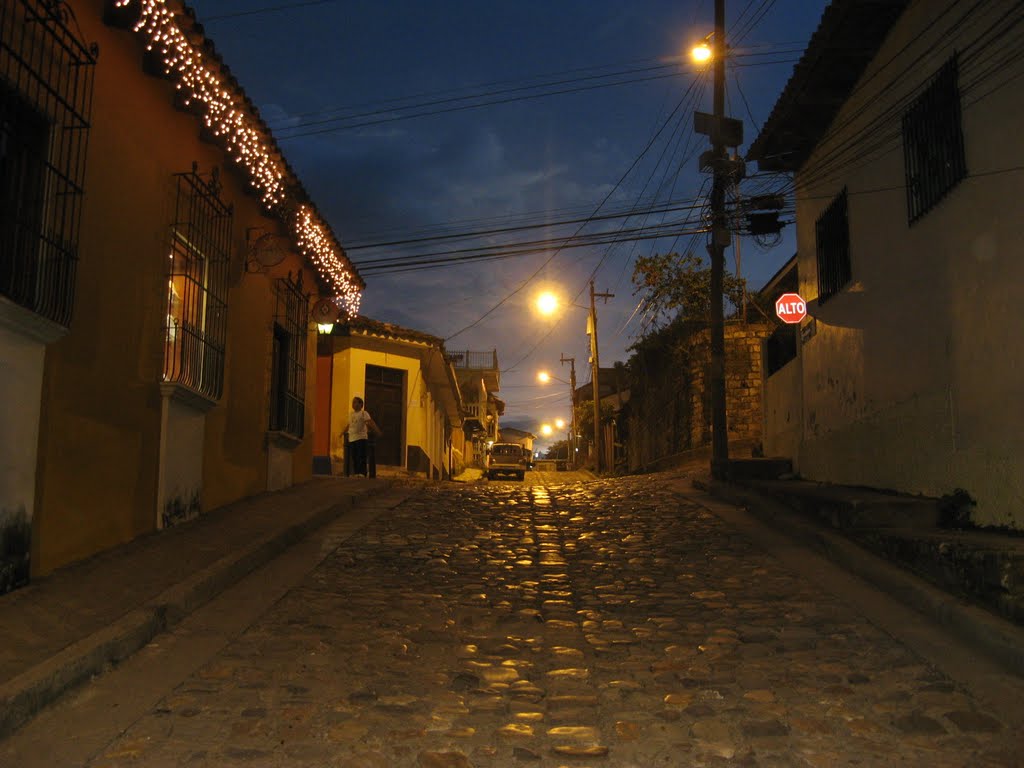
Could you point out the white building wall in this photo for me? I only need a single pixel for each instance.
(21, 381)
(182, 436)
(913, 379)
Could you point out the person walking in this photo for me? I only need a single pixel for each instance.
(360, 424)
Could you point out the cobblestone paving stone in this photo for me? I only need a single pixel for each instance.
(609, 623)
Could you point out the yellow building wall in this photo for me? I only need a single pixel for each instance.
(423, 423)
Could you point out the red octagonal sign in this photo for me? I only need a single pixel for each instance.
(791, 308)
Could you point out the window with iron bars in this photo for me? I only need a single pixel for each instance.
(832, 231)
(46, 81)
(288, 364)
(196, 327)
(933, 142)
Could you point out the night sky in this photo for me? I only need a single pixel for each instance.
(588, 113)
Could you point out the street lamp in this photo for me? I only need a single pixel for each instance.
(547, 303)
(721, 130)
(701, 53)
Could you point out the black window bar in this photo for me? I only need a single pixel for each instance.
(288, 380)
(46, 84)
(832, 231)
(933, 142)
(195, 331)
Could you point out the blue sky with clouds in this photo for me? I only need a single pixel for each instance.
(530, 160)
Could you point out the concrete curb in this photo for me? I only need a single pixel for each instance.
(996, 637)
(23, 696)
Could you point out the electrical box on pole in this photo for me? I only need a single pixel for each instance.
(727, 131)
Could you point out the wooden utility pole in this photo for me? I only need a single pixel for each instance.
(572, 404)
(596, 363)
(720, 238)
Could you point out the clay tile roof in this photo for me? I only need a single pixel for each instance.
(847, 39)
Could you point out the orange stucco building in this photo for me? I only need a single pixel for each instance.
(155, 292)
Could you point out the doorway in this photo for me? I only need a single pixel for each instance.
(385, 403)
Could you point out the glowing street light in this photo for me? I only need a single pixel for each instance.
(701, 53)
(545, 429)
(560, 423)
(547, 303)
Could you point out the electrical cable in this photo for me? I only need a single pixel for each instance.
(600, 205)
(256, 11)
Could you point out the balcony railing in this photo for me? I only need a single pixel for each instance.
(475, 360)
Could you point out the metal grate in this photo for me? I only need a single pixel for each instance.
(832, 232)
(196, 326)
(933, 142)
(474, 360)
(46, 81)
(288, 380)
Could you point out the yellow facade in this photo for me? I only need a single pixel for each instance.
(431, 409)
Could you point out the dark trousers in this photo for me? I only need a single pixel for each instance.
(358, 448)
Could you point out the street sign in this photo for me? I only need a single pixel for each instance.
(790, 308)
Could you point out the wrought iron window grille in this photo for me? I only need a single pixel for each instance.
(832, 231)
(288, 361)
(933, 142)
(195, 330)
(46, 86)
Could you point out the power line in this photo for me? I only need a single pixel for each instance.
(667, 208)
(600, 205)
(464, 107)
(256, 11)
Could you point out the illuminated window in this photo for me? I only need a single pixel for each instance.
(288, 367)
(46, 78)
(832, 231)
(196, 313)
(933, 143)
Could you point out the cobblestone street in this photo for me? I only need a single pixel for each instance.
(603, 623)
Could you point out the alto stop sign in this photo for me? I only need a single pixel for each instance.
(791, 308)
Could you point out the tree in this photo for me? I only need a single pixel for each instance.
(558, 450)
(585, 418)
(678, 287)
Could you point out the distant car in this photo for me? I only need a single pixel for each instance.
(507, 459)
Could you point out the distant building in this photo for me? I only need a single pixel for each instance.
(901, 126)
(479, 379)
(613, 384)
(408, 384)
(518, 436)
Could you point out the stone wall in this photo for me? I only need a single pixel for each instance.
(670, 400)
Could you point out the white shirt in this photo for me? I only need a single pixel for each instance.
(357, 429)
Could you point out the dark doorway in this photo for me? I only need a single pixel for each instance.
(384, 401)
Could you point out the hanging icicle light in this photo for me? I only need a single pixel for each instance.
(228, 117)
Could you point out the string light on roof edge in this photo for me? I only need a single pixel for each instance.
(244, 139)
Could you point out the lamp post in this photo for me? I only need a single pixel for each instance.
(720, 238)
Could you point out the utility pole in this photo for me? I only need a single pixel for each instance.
(572, 404)
(595, 361)
(720, 238)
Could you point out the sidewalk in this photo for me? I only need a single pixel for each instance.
(969, 581)
(61, 629)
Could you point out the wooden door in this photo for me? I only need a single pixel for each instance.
(385, 403)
